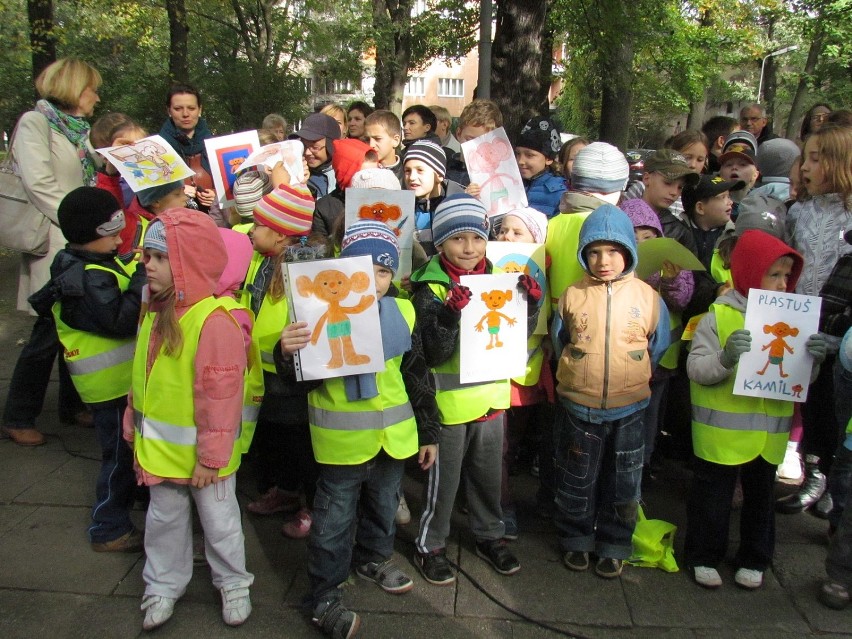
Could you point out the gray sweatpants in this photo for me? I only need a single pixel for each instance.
(168, 537)
(473, 451)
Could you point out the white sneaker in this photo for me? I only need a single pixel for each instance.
(748, 578)
(791, 467)
(158, 610)
(707, 576)
(236, 606)
(403, 514)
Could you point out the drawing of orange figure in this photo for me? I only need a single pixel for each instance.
(333, 286)
(777, 346)
(382, 212)
(494, 300)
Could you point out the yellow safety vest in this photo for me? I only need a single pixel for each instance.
(561, 246)
(734, 429)
(243, 228)
(163, 408)
(535, 358)
(347, 432)
(670, 357)
(270, 321)
(462, 403)
(100, 367)
(718, 270)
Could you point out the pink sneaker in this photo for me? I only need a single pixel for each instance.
(298, 526)
(274, 501)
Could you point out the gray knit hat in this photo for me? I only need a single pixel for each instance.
(762, 212)
(459, 213)
(775, 158)
(248, 188)
(599, 168)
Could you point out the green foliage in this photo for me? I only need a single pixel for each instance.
(431, 38)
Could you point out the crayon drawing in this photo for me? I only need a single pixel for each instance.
(149, 162)
(288, 152)
(394, 208)
(227, 154)
(777, 346)
(494, 301)
(527, 258)
(491, 163)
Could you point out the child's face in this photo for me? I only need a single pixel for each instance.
(696, 156)
(777, 276)
(512, 229)
(420, 178)
(108, 244)
(383, 280)
(661, 193)
(266, 241)
(739, 169)
(714, 211)
(414, 128)
(569, 161)
(606, 260)
(382, 143)
(644, 233)
(464, 250)
(470, 132)
(158, 269)
(813, 176)
(175, 199)
(355, 124)
(531, 162)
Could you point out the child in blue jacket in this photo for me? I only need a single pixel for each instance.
(536, 149)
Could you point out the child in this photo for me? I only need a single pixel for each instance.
(384, 133)
(615, 329)
(775, 160)
(477, 118)
(675, 286)
(471, 441)
(708, 208)
(366, 458)
(568, 153)
(716, 130)
(285, 462)
(149, 203)
(425, 166)
(815, 228)
(734, 436)
(529, 417)
(95, 304)
(350, 156)
(666, 175)
(536, 148)
(184, 415)
(738, 163)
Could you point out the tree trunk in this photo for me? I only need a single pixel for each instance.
(516, 62)
(697, 111)
(617, 95)
(798, 106)
(42, 38)
(392, 28)
(178, 49)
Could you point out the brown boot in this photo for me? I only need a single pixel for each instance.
(133, 541)
(24, 436)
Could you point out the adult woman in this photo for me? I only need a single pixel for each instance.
(185, 130)
(355, 118)
(336, 112)
(814, 119)
(54, 157)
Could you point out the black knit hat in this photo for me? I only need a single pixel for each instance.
(542, 135)
(88, 213)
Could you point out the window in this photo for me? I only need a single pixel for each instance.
(341, 86)
(418, 7)
(450, 88)
(416, 86)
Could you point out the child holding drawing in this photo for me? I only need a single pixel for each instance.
(726, 439)
(361, 464)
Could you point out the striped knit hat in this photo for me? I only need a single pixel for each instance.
(373, 238)
(430, 154)
(599, 168)
(459, 213)
(155, 237)
(248, 188)
(287, 209)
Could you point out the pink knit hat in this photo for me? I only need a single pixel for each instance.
(287, 209)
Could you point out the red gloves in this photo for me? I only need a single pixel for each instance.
(531, 287)
(458, 298)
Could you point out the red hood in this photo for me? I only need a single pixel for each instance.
(349, 154)
(197, 254)
(752, 256)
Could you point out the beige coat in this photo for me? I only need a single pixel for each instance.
(49, 170)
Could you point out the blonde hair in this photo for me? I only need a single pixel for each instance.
(276, 290)
(64, 81)
(835, 158)
(441, 113)
(334, 111)
(266, 136)
(386, 119)
(166, 324)
(480, 112)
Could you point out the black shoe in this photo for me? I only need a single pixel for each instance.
(336, 621)
(435, 567)
(497, 553)
(608, 568)
(823, 506)
(808, 494)
(576, 560)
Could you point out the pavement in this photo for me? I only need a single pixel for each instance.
(52, 585)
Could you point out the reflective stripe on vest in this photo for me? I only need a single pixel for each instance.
(734, 429)
(164, 410)
(101, 367)
(368, 419)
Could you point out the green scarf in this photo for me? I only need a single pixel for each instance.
(76, 131)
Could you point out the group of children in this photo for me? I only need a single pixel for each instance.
(195, 369)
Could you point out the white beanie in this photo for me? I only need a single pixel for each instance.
(375, 179)
(599, 168)
(535, 221)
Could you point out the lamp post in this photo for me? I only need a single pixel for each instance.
(792, 47)
(483, 89)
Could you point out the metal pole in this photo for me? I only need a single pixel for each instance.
(483, 89)
(760, 82)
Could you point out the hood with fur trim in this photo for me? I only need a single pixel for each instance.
(197, 254)
(752, 256)
(608, 223)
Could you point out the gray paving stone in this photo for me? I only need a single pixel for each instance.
(11, 515)
(71, 484)
(22, 468)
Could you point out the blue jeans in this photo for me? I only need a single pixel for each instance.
(116, 484)
(368, 492)
(598, 471)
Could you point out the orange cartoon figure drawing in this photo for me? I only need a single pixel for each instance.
(494, 300)
(333, 286)
(382, 212)
(778, 345)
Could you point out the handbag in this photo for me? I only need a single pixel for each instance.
(22, 226)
